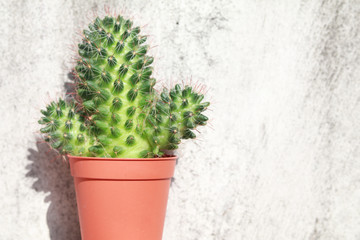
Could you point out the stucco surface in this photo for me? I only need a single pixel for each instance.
(280, 159)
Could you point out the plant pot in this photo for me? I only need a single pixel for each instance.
(122, 199)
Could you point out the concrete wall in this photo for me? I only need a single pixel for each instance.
(281, 157)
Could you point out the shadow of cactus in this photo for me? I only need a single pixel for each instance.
(53, 176)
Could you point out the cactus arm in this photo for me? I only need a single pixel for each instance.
(64, 129)
(176, 114)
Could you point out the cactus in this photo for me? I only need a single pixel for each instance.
(117, 112)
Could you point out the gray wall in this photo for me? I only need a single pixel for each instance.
(281, 157)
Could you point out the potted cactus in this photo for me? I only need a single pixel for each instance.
(117, 130)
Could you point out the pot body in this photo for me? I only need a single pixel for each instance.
(122, 198)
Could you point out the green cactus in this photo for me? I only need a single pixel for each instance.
(118, 112)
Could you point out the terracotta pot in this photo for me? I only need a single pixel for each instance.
(122, 199)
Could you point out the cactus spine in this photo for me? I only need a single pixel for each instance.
(118, 113)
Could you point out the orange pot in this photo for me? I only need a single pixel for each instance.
(122, 199)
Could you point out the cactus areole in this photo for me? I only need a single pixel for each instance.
(116, 112)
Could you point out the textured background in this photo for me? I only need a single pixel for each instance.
(281, 158)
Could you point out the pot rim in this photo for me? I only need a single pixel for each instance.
(166, 158)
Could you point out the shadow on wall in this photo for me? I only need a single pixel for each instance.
(53, 175)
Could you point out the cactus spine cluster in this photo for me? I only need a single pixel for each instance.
(117, 112)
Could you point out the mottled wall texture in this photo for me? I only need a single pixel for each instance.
(280, 159)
